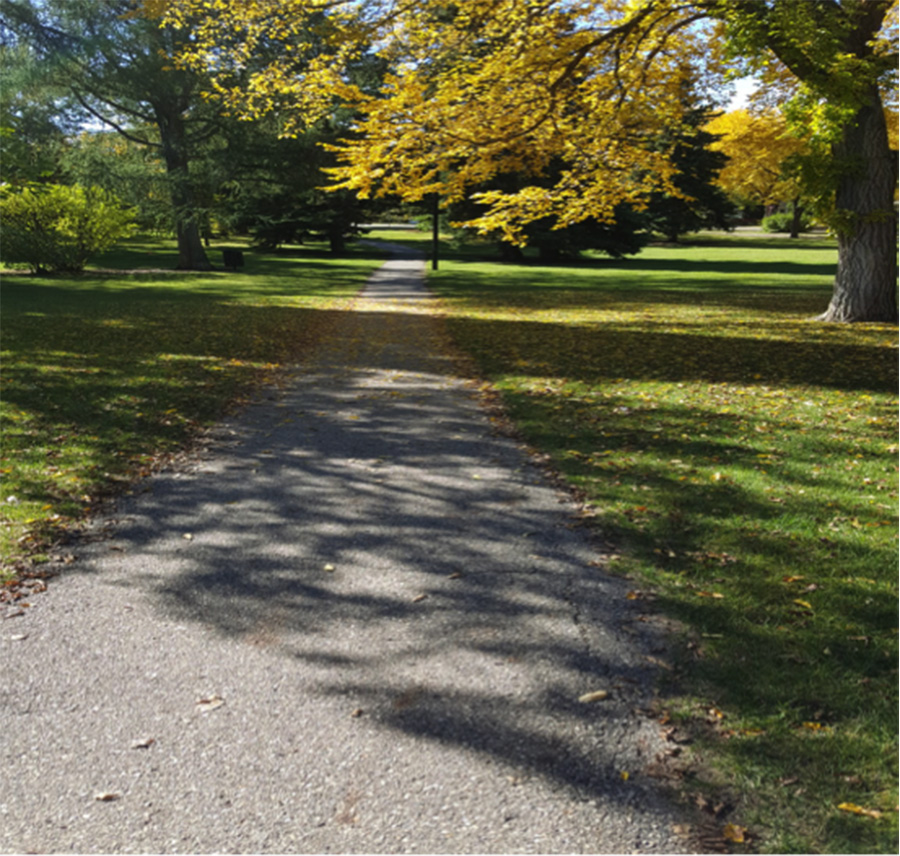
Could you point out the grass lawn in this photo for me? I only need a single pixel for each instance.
(105, 374)
(741, 462)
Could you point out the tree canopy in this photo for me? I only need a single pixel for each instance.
(476, 90)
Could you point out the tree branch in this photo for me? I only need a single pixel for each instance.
(114, 125)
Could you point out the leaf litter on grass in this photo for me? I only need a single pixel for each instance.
(108, 375)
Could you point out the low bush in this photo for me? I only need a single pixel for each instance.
(783, 220)
(57, 228)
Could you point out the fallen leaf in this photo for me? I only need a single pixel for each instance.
(858, 809)
(597, 695)
(803, 603)
(357, 713)
(187, 536)
(143, 743)
(625, 775)
(106, 796)
(207, 704)
(329, 568)
(734, 833)
(675, 736)
(419, 597)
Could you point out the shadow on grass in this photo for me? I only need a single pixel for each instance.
(596, 352)
(734, 268)
(148, 286)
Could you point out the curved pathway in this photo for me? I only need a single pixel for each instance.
(360, 622)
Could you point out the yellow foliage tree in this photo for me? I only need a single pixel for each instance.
(478, 88)
(757, 146)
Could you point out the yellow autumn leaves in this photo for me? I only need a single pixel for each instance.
(476, 90)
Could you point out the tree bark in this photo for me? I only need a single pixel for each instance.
(865, 287)
(173, 137)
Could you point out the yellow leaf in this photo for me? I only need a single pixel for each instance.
(858, 809)
(803, 603)
(734, 833)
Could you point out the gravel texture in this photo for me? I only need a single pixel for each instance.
(360, 621)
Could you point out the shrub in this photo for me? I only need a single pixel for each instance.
(781, 222)
(55, 227)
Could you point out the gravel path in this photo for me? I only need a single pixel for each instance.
(359, 622)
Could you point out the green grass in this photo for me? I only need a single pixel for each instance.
(105, 374)
(741, 461)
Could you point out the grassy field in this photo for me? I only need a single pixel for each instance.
(105, 374)
(741, 462)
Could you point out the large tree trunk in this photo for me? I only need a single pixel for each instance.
(191, 255)
(865, 287)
